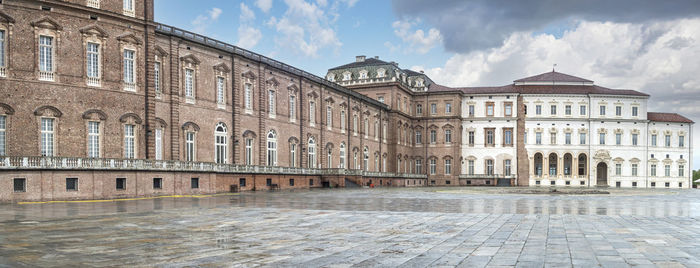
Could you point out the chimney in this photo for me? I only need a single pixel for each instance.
(360, 58)
(421, 71)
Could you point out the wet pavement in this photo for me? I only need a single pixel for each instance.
(468, 227)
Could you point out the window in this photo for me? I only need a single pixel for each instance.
(20, 185)
(618, 138)
(346, 76)
(291, 182)
(681, 141)
(93, 139)
(433, 166)
(129, 71)
(93, 63)
(220, 90)
(248, 97)
(381, 73)
(470, 169)
(419, 109)
(71, 184)
(618, 110)
(489, 137)
(582, 110)
(553, 109)
(433, 137)
(189, 147)
(45, 58)
(419, 138)
(508, 109)
(342, 155)
(667, 170)
(635, 111)
(380, 99)
(582, 138)
(635, 139)
(241, 182)
(618, 169)
(538, 109)
(121, 183)
(194, 183)
(292, 108)
(354, 125)
(508, 137)
(157, 183)
(312, 153)
(365, 129)
(448, 136)
(448, 166)
(129, 141)
(552, 138)
(376, 129)
(3, 128)
(433, 108)
(342, 121)
(567, 109)
(506, 165)
(653, 170)
(248, 151)
(220, 144)
(489, 167)
(47, 136)
(538, 138)
(668, 141)
(329, 158)
(653, 140)
(272, 148)
(272, 103)
(268, 182)
(567, 138)
(189, 83)
(156, 76)
(471, 138)
(681, 170)
(129, 7)
(602, 138)
(489, 109)
(293, 155)
(471, 110)
(635, 169)
(365, 159)
(363, 75)
(525, 136)
(329, 116)
(448, 108)
(312, 113)
(2, 53)
(602, 110)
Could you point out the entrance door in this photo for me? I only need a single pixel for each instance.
(602, 175)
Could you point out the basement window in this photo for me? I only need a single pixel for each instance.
(71, 184)
(20, 185)
(121, 183)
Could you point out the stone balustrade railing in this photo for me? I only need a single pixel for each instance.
(486, 176)
(77, 163)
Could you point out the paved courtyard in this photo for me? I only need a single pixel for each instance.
(463, 227)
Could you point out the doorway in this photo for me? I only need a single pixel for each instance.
(602, 174)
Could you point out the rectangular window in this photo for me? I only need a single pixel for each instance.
(268, 182)
(635, 111)
(668, 140)
(635, 168)
(567, 109)
(419, 166)
(552, 138)
(538, 109)
(47, 137)
(471, 138)
(433, 108)
(448, 108)
(291, 182)
(667, 170)
(489, 167)
(525, 136)
(129, 141)
(248, 151)
(582, 138)
(433, 137)
(635, 139)
(681, 170)
(220, 90)
(248, 97)
(293, 108)
(93, 139)
(553, 110)
(194, 183)
(538, 138)
(618, 169)
(157, 183)
(471, 110)
(46, 54)
(312, 113)
(567, 138)
(293, 155)
(159, 144)
(189, 147)
(2, 51)
(602, 138)
(329, 116)
(508, 109)
(3, 128)
(93, 61)
(653, 171)
(380, 99)
(241, 182)
(470, 169)
(653, 140)
(448, 166)
(507, 167)
(271, 103)
(121, 183)
(489, 137)
(20, 185)
(618, 110)
(448, 136)
(433, 166)
(681, 141)
(129, 7)
(71, 184)
(618, 138)
(419, 138)
(582, 110)
(602, 110)
(342, 121)
(189, 83)
(508, 137)
(156, 77)
(419, 109)
(129, 77)
(489, 109)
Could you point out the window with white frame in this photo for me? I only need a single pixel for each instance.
(538, 138)
(342, 155)
(448, 136)
(47, 136)
(272, 148)
(156, 76)
(248, 151)
(618, 110)
(220, 90)
(567, 110)
(538, 109)
(365, 159)
(342, 121)
(93, 3)
(419, 138)
(582, 138)
(376, 129)
(346, 76)
(582, 110)
(448, 108)
(129, 141)
(681, 170)
(667, 170)
(189, 83)
(365, 129)
(363, 74)
(2, 53)
(292, 108)
(433, 166)
(3, 129)
(433, 108)
(272, 103)
(470, 167)
(653, 170)
(46, 58)
(312, 153)
(329, 116)
(668, 141)
(618, 169)
(419, 166)
(489, 167)
(507, 137)
(552, 138)
(129, 71)
(381, 73)
(293, 154)
(448, 166)
(635, 111)
(653, 140)
(602, 139)
(312, 113)
(189, 146)
(354, 125)
(93, 64)
(567, 138)
(471, 110)
(681, 141)
(635, 168)
(433, 136)
(220, 144)
(419, 109)
(248, 97)
(129, 8)
(506, 169)
(159, 144)
(635, 139)
(618, 138)
(602, 110)
(93, 139)
(329, 158)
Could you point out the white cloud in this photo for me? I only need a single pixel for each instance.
(350, 3)
(264, 5)
(246, 13)
(418, 41)
(214, 13)
(305, 28)
(201, 22)
(248, 36)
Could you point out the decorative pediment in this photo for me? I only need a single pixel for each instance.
(95, 114)
(681, 133)
(602, 155)
(635, 160)
(355, 108)
(222, 67)
(94, 30)
(343, 104)
(433, 126)
(46, 23)
(366, 112)
(635, 131)
(618, 160)
(447, 126)
(248, 74)
(125, 118)
(602, 130)
(190, 126)
(681, 161)
(539, 129)
(668, 132)
(6, 108)
(313, 94)
(618, 131)
(330, 99)
(668, 161)
(568, 130)
(160, 51)
(583, 130)
(553, 130)
(329, 145)
(249, 134)
(272, 81)
(6, 18)
(129, 37)
(293, 88)
(293, 140)
(192, 59)
(160, 122)
(47, 110)
(471, 157)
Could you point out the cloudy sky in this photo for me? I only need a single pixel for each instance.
(647, 45)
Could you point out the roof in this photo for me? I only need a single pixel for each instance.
(357, 64)
(539, 89)
(553, 77)
(668, 117)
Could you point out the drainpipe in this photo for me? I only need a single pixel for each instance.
(646, 157)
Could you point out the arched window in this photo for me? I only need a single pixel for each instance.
(220, 143)
(366, 158)
(342, 155)
(582, 165)
(329, 158)
(354, 159)
(272, 148)
(312, 153)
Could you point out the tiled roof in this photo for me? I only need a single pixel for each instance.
(538, 89)
(668, 117)
(553, 77)
(366, 62)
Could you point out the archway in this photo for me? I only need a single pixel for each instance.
(567, 164)
(602, 174)
(538, 164)
(553, 165)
